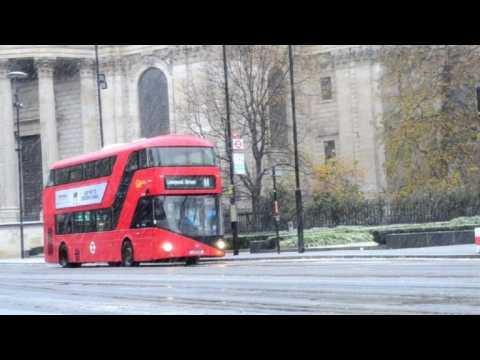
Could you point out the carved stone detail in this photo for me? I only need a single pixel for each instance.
(4, 68)
(356, 54)
(87, 67)
(149, 59)
(45, 66)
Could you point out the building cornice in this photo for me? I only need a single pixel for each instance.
(45, 66)
(4, 68)
(363, 53)
(46, 51)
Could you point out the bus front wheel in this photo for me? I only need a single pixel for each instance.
(127, 255)
(192, 261)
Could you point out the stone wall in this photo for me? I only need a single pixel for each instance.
(68, 113)
(10, 239)
(349, 118)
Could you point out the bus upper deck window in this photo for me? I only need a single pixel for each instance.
(103, 167)
(76, 173)
(90, 170)
(62, 176)
(142, 159)
(51, 178)
(132, 164)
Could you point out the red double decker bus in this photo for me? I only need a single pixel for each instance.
(149, 201)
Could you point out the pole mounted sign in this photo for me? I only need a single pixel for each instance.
(239, 164)
(238, 146)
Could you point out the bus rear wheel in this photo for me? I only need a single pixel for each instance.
(128, 255)
(63, 258)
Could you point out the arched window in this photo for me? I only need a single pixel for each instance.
(153, 101)
(278, 109)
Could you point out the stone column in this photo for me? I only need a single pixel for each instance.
(107, 67)
(344, 75)
(119, 102)
(48, 120)
(8, 155)
(89, 105)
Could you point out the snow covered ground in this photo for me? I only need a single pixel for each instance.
(438, 251)
(307, 285)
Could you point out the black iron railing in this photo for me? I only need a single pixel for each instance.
(368, 213)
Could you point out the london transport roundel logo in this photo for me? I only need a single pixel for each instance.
(93, 248)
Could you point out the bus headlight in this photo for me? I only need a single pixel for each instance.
(167, 247)
(220, 244)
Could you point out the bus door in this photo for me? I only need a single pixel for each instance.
(142, 230)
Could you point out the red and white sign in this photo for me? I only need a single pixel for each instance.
(238, 144)
(477, 236)
(93, 248)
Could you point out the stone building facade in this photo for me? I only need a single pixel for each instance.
(339, 106)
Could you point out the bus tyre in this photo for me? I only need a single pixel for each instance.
(192, 261)
(63, 257)
(127, 255)
(114, 264)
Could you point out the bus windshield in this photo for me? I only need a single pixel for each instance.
(181, 156)
(194, 216)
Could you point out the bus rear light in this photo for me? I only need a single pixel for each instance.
(168, 247)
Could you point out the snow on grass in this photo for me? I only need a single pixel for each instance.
(344, 235)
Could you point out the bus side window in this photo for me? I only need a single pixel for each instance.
(59, 219)
(62, 176)
(90, 170)
(90, 222)
(64, 224)
(51, 178)
(103, 167)
(144, 214)
(104, 220)
(113, 160)
(78, 222)
(76, 173)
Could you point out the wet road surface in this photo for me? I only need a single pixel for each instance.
(297, 286)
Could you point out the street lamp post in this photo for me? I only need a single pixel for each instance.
(276, 213)
(298, 191)
(14, 76)
(477, 90)
(233, 207)
(99, 82)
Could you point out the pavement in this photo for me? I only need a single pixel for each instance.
(293, 286)
(454, 251)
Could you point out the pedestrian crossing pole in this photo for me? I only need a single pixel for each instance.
(298, 191)
(229, 144)
(14, 76)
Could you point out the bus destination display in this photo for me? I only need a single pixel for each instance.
(189, 182)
